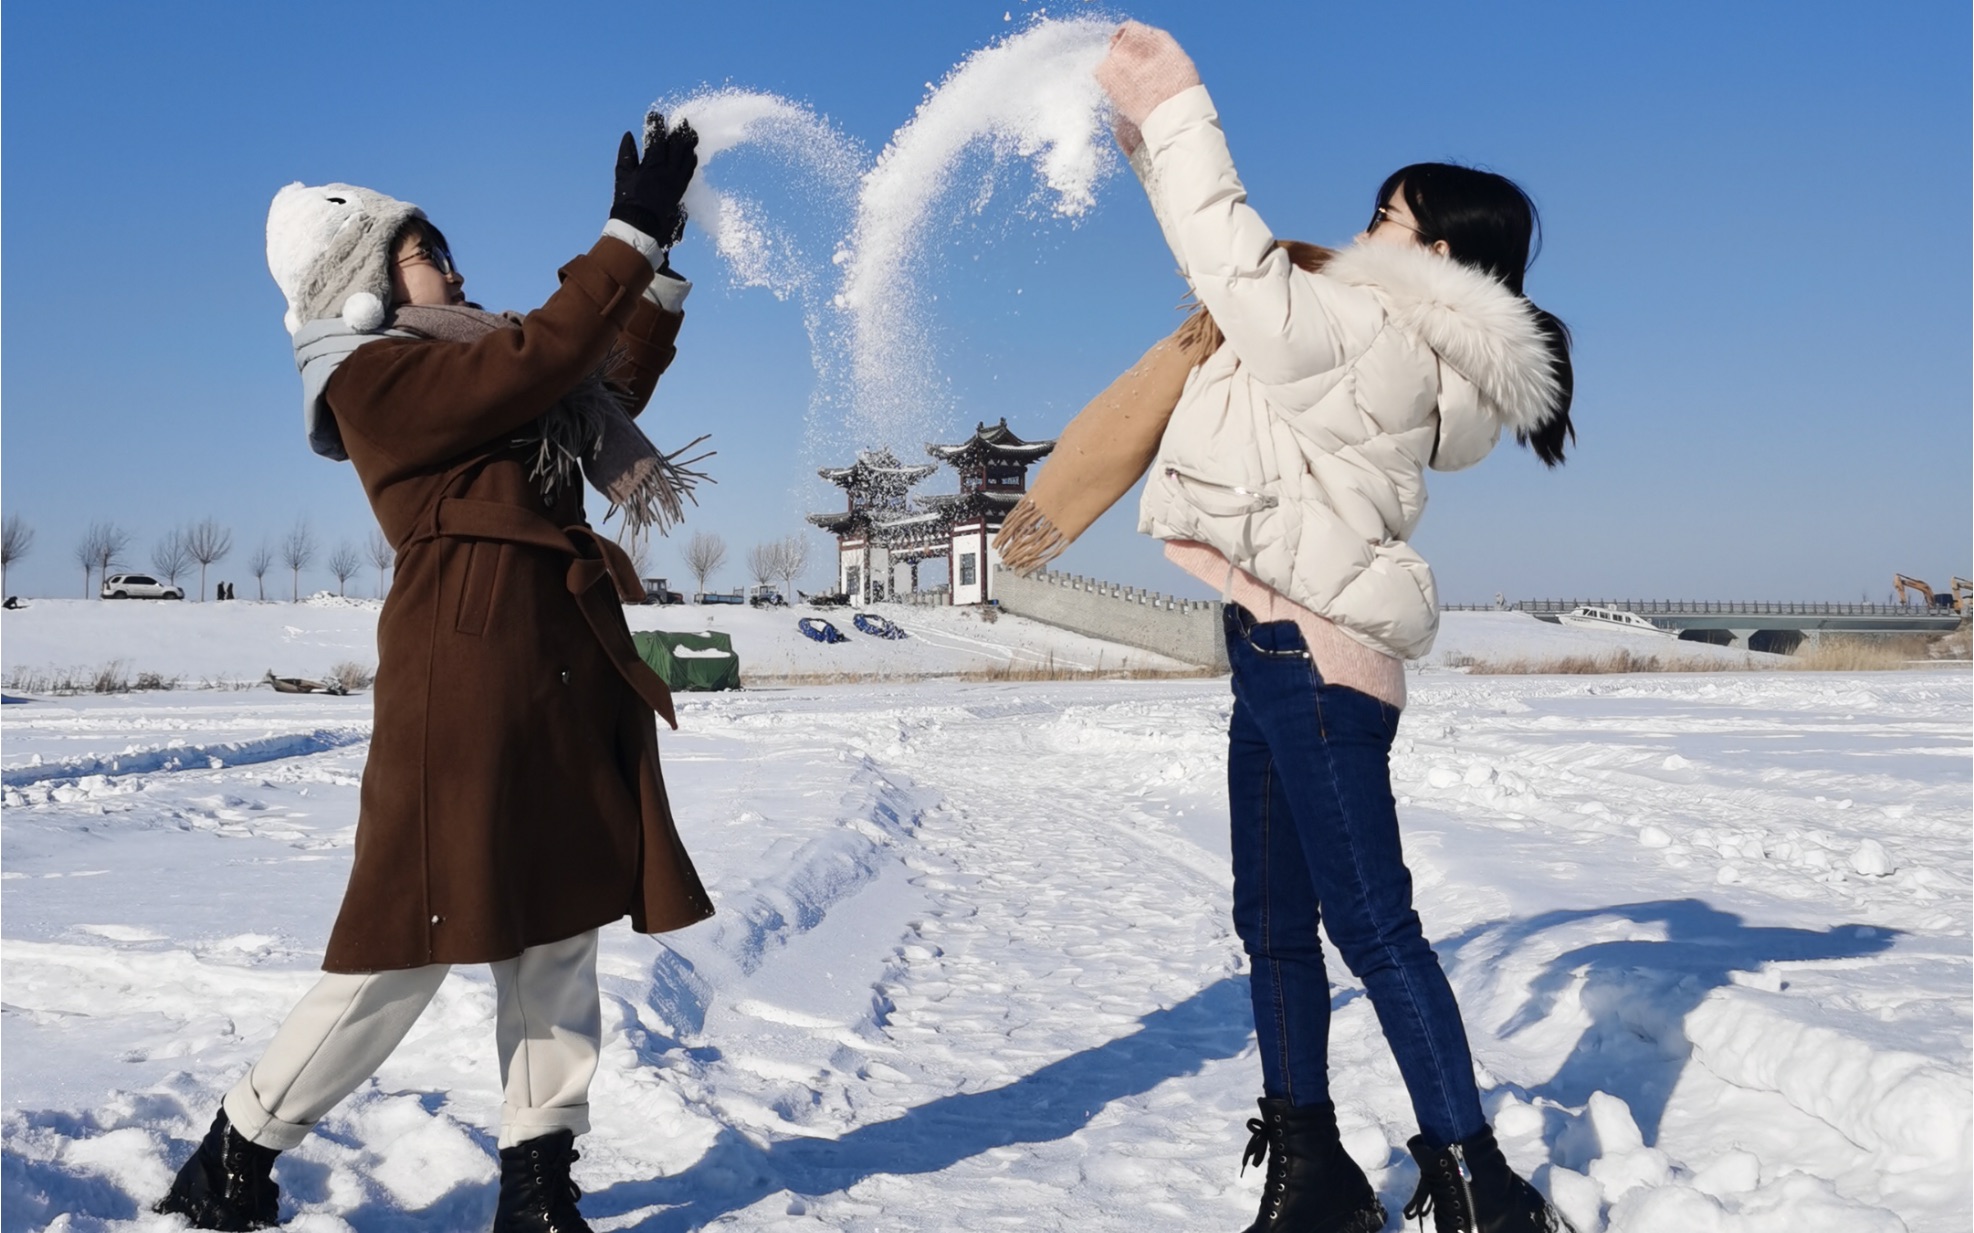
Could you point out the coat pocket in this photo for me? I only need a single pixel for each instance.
(1218, 500)
(479, 580)
(1222, 515)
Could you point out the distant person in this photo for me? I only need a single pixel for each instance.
(512, 802)
(13, 601)
(1291, 421)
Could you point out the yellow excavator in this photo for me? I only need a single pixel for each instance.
(1955, 600)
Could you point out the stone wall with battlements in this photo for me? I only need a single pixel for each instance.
(1184, 629)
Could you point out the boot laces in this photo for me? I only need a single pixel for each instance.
(560, 1208)
(1257, 1144)
(1446, 1194)
(1260, 1142)
(244, 1173)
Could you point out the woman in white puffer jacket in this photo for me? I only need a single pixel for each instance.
(1290, 476)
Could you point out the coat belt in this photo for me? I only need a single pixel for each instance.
(595, 559)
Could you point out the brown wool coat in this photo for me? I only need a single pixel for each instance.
(512, 795)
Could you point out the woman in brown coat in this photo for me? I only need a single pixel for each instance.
(512, 802)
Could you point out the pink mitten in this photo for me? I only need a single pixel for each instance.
(1145, 66)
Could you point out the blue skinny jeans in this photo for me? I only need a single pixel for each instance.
(1315, 837)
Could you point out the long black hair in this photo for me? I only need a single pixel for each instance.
(1489, 223)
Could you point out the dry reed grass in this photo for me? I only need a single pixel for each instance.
(1860, 654)
(1829, 654)
(1597, 665)
(111, 678)
(351, 675)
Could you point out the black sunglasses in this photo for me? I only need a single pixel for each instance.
(435, 253)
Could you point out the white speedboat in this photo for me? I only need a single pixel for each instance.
(1590, 616)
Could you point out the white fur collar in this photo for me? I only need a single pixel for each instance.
(1478, 327)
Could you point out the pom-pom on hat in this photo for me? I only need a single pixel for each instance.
(329, 249)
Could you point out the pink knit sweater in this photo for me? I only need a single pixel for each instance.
(1340, 659)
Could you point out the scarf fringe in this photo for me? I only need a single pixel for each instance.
(588, 434)
(574, 429)
(1028, 541)
(656, 502)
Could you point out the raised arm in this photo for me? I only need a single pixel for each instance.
(1279, 320)
(421, 403)
(649, 340)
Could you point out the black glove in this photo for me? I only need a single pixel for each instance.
(649, 190)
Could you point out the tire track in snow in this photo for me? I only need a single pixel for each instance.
(1076, 963)
(178, 755)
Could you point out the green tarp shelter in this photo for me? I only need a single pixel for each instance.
(690, 661)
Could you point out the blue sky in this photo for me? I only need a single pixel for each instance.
(1756, 217)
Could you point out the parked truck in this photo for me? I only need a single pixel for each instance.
(657, 592)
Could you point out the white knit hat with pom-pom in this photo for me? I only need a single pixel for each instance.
(329, 249)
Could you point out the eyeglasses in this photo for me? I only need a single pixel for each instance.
(1383, 214)
(436, 255)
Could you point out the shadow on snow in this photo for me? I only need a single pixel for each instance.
(1047, 1105)
(1638, 993)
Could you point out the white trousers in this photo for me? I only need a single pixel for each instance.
(548, 1027)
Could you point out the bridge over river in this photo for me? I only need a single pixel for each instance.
(1757, 625)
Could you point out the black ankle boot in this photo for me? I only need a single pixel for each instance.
(225, 1185)
(1469, 1188)
(1313, 1185)
(536, 1195)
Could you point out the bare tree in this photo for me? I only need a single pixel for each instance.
(85, 554)
(99, 548)
(764, 562)
(297, 551)
(637, 548)
(704, 554)
(258, 564)
(170, 556)
(344, 562)
(791, 563)
(16, 537)
(382, 555)
(207, 541)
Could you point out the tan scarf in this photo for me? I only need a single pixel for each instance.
(589, 431)
(1111, 443)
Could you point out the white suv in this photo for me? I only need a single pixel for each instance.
(139, 586)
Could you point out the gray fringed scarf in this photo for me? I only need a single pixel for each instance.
(589, 430)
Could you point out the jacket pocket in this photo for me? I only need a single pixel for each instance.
(479, 580)
(1218, 500)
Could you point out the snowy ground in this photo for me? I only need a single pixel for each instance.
(937, 640)
(210, 644)
(203, 644)
(973, 968)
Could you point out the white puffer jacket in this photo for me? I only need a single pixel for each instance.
(1298, 449)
